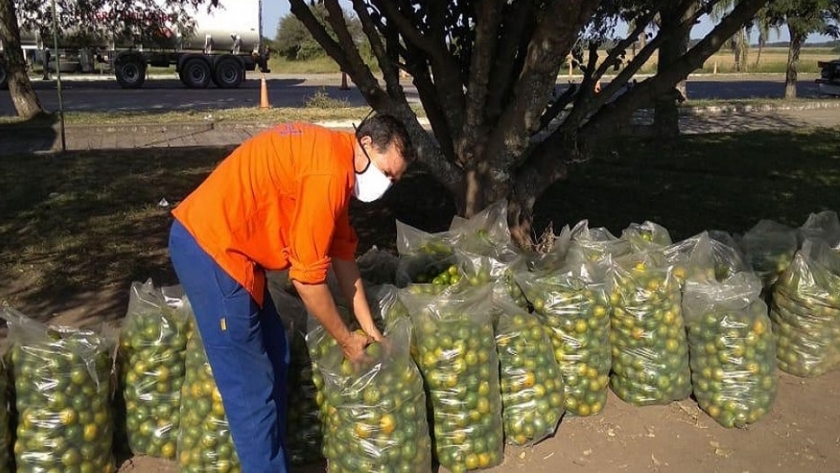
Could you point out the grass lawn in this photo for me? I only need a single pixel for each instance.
(88, 223)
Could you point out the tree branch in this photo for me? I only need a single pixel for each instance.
(624, 44)
(539, 75)
(445, 70)
(319, 32)
(558, 105)
(584, 108)
(488, 18)
(502, 79)
(390, 72)
(649, 89)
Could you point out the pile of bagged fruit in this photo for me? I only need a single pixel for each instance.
(485, 345)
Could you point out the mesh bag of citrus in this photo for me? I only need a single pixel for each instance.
(424, 257)
(642, 236)
(531, 384)
(385, 305)
(592, 246)
(303, 426)
(500, 266)
(62, 385)
(824, 226)
(456, 352)
(731, 348)
(769, 247)
(805, 312)
(375, 410)
(575, 312)
(204, 441)
(647, 332)
(153, 343)
(707, 256)
(6, 401)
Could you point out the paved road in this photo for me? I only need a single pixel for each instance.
(293, 91)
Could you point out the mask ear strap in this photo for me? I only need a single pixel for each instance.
(363, 150)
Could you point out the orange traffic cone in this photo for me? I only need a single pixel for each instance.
(264, 94)
(344, 81)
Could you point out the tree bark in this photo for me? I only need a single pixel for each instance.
(666, 118)
(25, 100)
(796, 40)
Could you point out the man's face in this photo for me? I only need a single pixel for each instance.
(390, 162)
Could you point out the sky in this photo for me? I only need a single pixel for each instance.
(273, 10)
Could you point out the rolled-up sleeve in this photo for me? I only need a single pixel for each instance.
(321, 205)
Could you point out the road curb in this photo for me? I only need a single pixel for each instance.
(768, 107)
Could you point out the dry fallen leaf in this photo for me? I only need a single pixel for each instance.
(724, 452)
(522, 455)
(655, 461)
(714, 444)
(587, 452)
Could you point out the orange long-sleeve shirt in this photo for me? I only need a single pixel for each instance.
(279, 201)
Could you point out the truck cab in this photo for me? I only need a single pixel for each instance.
(829, 80)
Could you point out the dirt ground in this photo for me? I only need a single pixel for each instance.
(800, 434)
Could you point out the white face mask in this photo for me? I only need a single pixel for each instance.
(371, 183)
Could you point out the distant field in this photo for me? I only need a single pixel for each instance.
(772, 60)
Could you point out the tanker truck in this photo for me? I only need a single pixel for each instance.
(218, 47)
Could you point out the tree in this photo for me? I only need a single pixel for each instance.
(296, 43)
(133, 21)
(23, 95)
(666, 118)
(486, 72)
(802, 17)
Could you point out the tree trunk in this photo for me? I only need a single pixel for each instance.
(796, 40)
(20, 88)
(666, 119)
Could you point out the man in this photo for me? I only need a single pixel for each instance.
(278, 201)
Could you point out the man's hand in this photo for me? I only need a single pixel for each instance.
(354, 347)
(373, 333)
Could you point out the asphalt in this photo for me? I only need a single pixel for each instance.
(15, 141)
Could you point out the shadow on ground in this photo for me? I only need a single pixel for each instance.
(37, 135)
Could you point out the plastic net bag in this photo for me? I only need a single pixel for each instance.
(705, 257)
(649, 349)
(646, 235)
(456, 352)
(769, 247)
(204, 440)
(485, 230)
(62, 385)
(424, 256)
(153, 343)
(502, 266)
(821, 226)
(805, 312)
(575, 312)
(376, 411)
(385, 306)
(303, 425)
(732, 352)
(593, 246)
(531, 383)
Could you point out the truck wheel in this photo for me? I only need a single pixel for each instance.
(228, 73)
(197, 73)
(4, 76)
(131, 73)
